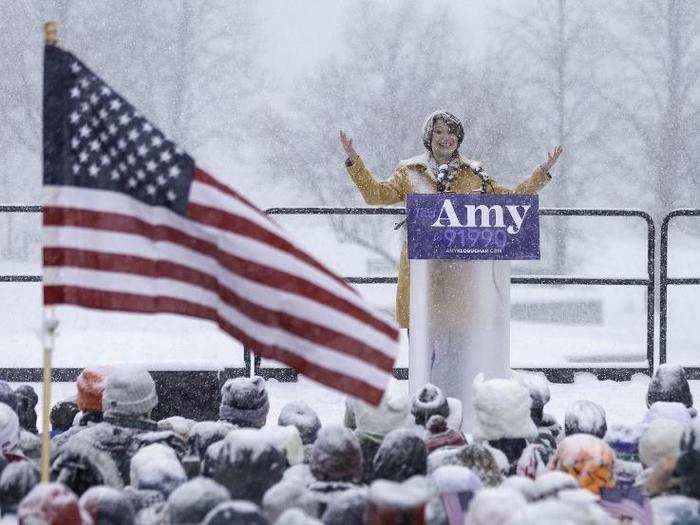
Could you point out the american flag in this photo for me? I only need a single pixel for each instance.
(627, 501)
(132, 224)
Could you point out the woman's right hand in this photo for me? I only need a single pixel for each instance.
(347, 146)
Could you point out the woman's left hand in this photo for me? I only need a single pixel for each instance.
(552, 157)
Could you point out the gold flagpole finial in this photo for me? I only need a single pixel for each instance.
(51, 33)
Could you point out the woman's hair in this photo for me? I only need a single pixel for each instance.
(453, 124)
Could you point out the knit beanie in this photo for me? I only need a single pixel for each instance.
(452, 122)
(401, 455)
(9, 428)
(662, 438)
(336, 455)
(7, 395)
(669, 383)
(108, 505)
(52, 503)
(588, 459)
(585, 417)
(129, 391)
(303, 417)
(91, 385)
(427, 402)
(501, 409)
(244, 402)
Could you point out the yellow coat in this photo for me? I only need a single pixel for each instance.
(415, 176)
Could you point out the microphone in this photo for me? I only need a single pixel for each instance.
(444, 177)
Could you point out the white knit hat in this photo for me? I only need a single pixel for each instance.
(501, 409)
(661, 438)
(129, 391)
(9, 428)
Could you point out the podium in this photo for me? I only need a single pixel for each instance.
(460, 248)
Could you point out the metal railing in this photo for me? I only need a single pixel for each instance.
(665, 281)
(554, 374)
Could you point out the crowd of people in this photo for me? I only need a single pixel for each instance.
(406, 461)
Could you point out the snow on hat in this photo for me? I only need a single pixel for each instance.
(336, 455)
(156, 467)
(244, 402)
(349, 507)
(538, 387)
(286, 439)
(52, 503)
(494, 506)
(669, 383)
(302, 416)
(7, 395)
(588, 459)
(108, 505)
(9, 428)
(452, 122)
(427, 402)
(675, 509)
(585, 417)
(16, 480)
(191, 501)
(204, 433)
(280, 497)
(501, 409)
(80, 465)
(439, 435)
(401, 455)
(91, 385)
(456, 478)
(178, 424)
(129, 391)
(391, 413)
(668, 410)
(662, 438)
(236, 512)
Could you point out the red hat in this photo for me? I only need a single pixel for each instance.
(52, 503)
(91, 384)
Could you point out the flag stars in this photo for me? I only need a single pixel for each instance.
(124, 119)
(170, 195)
(140, 174)
(113, 151)
(133, 134)
(105, 160)
(75, 92)
(105, 91)
(156, 141)
(103, 137)
(115, 104)
(84, 82)
(151, 189)
(165, 156)
(93, 170)
(121, 166)
(76, 169)
(114, 174)
(94, 99)
(131, 183)
(95, 122)
(94, 145)
(147, 128)
(112, 129)
(83, 156)
(151, 166)
(130, 159)
(74, 117)
(74, 142)
(121, 144)
(174, 171)
(103, 113)
(142, 150)
(75, 67)
(84, 131)
(84, 107)
(161, 180)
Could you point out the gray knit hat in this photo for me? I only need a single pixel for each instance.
(129, 391)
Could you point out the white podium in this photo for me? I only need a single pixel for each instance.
(459, 325)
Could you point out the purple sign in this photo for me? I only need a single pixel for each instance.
(485, 226)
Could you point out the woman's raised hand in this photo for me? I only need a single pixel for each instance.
(347, 146)
(552, 157)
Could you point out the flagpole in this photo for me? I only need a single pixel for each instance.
(49, 334)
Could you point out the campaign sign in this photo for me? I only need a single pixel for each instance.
(484, 226)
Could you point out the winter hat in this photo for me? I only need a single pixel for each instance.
(501, 409)
(167, 438)
(429, 401)
(439, 435)
(280, 497)
(7, 395)
(475, 456)
(401, 455)
(81, 465)
(588, 459)
(494, 506)
(392, 502)
(286, 439)
(585, 417)
(91, 385)
(391, 413)
(62, 415)
(453, 123)
(246, 463)
(244, 402)
(16, 480)
(236, 512)
(538, 387)
(669, 383)
(51, 503)
(108, 506)
(191, 501)
(26, 407)
(129, 391)
(336, 455)
(668, 410)
(662, 438)
(156, 467)
(205, 433)
(9, 428)
(302, 416)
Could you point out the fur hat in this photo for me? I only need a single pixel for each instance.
(501, 409)
(244, 402)
(452, 122)
(91, 385)
(129, 391)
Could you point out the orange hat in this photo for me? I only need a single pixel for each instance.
(91, 384)
(588, 459)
